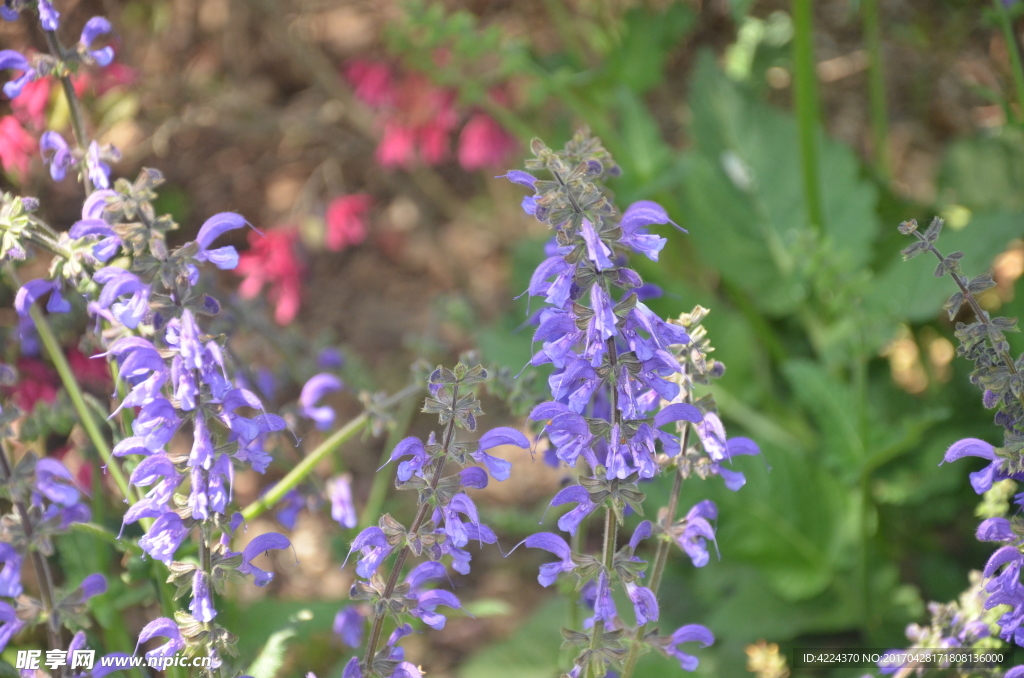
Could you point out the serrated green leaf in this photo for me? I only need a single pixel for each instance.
(272, 656)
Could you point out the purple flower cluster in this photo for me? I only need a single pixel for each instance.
(620, 387)
(446, 524)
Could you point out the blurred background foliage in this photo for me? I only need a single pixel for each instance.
(788, 138)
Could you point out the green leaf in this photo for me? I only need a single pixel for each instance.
(985, 174)
(644, 153)
(744, 197)
(834, 409)
(271, 658)
(532, 652)
(639, 62)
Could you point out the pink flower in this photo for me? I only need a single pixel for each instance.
(271, 259)
(397, 147)
(483, 143)
(346, 221)
(16, 145)
(30, 107)
(372, 82)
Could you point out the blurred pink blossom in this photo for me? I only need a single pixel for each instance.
(272, 259)
(30, 106)
(346, 221)
(372, 82)
(483, 143)
(16, 145)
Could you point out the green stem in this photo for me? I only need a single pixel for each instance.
(1016, 69)
(876, 88)
(382, 479)
(306, 466)
(806, 102)
(74, 105)
(67, 377)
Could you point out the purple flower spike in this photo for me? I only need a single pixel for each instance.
(343, 511)
(94, 28)
(349, 625)
(499, 468)
(315, 389)
(577, 494)
(10, 59)
(264, 542)
(556, 545)
(688, 634)
(56, 154)
(10, 576)
(164, 628)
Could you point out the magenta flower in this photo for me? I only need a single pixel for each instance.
(483, 143)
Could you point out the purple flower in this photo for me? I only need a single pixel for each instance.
(453, 526)
(473, 476)
(691, 532)
(225, 258)
(556, 292)
(499, 468)
(343, 511)
(10, 626)
(288, 508)
(981, 480)
(597, 251)
(567, 431)
(687, 634)
(410, 447)
(201, 606)
(164, 537)
(645, 604)
(118, 283)
(56, 154)
(48, 16)
(94, 28)
(634, 221)
(10, 576)
(460, 557)
(315, 389)
(98, 171)
(556, 545)
(33, 289)
(520, 177)
(427, 604)
(373, 548)
(109, 244)
(604, 606)
(330, 358)
(55, 482)
(262, 543)
(577, 494)
(16, 61)
(352, 669)
(163, 628)
(93, 585)
(349, 625)
(995, 529)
